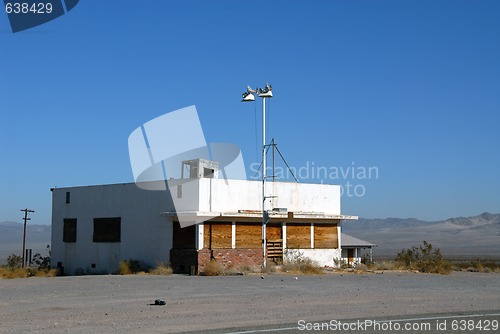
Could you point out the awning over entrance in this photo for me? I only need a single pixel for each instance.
(349, 241)
(195, 217)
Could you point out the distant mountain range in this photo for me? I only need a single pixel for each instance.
(462, 237)
(11, 239)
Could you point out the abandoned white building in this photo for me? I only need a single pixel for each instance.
(95, 227)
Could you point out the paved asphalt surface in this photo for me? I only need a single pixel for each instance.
(482, 322)
(251, 304)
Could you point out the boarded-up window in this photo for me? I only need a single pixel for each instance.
(325, 236)
(69, 230)
(107, 229)
(184, 237)
(248, 235)
(298, 236)
(217, 235)
(273, 232)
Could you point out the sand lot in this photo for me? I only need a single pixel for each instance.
(121, 304)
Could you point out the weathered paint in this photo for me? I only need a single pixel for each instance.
(323, 257)
(145, 234)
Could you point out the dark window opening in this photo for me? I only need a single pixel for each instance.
(68, 197)
(184, 237)
(208, 173)
(107, 229)
(69, 230)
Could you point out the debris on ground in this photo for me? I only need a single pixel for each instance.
(160, 302)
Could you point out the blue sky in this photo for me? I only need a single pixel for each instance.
(409, 87)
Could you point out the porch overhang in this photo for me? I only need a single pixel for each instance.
(256, 216)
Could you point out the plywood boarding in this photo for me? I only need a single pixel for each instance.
(217, 235)
(273, 231)
(248, 235)
(326, 236)
(206, 235)
(298, 236)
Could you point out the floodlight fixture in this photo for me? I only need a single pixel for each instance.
(249, 96)
(266, 91)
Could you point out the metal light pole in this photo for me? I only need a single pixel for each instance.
(24, 234)
(248, 96)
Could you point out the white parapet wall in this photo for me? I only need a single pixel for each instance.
(220, 195)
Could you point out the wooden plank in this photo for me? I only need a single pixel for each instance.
(221, 235)
(326, 236)
(248, 235)
(273, 231)
(298, 236)
(275, 250)
(217, 235)
(206, 235)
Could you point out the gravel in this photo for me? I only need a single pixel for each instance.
(127, 304)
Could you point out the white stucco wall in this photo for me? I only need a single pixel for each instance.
(323, 257)
(145, 235)
(219, 195)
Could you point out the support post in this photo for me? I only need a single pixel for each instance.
(264, 218)
(24, 234)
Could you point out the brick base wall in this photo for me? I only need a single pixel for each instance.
(236, 259)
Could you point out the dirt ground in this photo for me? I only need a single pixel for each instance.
(122, 304)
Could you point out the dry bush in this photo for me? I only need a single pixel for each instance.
(424, 258)
(272, 269)
(14, 272)
(14, 261)
(361, 268)
(124, 268)
(478, 265)
(162, 269)
(487, 266)
(239, 271)
(384, 265)
(310, 267)
(212, 268)
(26, 272)
(296, 263)
(249, 269)
(45, 273)
(129, 267)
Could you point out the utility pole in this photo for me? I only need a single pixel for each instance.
(248, 96)
(24, 234)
